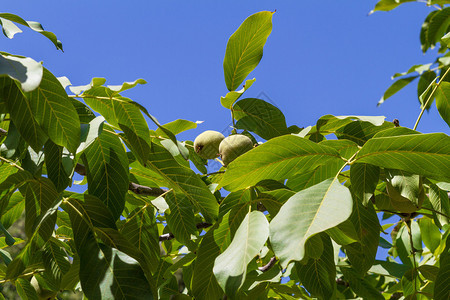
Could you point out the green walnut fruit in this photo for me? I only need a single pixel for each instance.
(206, 144)
(43, 294)
(233, 146)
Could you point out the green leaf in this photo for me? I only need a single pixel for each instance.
(204, 283)
(85, 114)
(395, 87)
(431, 235)
(361, 286)
(362, 254)
(13, 145)
(424, 88)
(245, 48)
(230, 267)
(275, 159)
(443, 101)
(429, 272)
(425, 44)
(441, 291)
(344, 233)
(355, 128)
(410, 282)
(303, 180)
(23, 69)
(14, 210)
(181, 219)
(308, 212)
(32, 25)
(90, 132)
(233, 96)
(364, 179)
(182, 180)
(56, 264)
(198, 161)
(438, 26)
(107, 171)
(318, 275)
(403, 244)
(44, 227)
(423, 154)
(388, 268)
(9, 182)
(105, 272)
(126, 85)
(21, 114)
(416, 68)
(141, 230)
(177, 127)
(260, 117)
(387, 5)
(9, 28)
(441, 203)
(40, 196)
(95, 209)
(53, 110)
(25, 290)
(59, 165)
(133, 124)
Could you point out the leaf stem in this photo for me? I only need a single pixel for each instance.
(429, 98)
(24, 275)
(11, 163)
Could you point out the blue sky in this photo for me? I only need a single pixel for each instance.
(323, 57)
(326, 57)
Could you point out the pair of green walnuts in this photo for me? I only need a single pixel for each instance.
(210, 144)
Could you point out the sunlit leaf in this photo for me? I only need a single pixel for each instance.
(245, 48)
(233, 96)
(32, 25)
(107, 171)
(21, 114)
(308, 212)
(395, 87)
(275, 159)
(443, 101)
(260, 117)
(423, 154)
(318, 275)
(23, 69)
(54, 111)
(230, 267)
(105, 272)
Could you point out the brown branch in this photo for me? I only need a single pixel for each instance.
(145, 190)
(3, 132)
(134, 187)
(169, 236)
(269, 265)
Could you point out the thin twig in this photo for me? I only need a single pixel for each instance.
(169, 236)
(11, 163)
(24, 275)
(269, 265)
(429, 98)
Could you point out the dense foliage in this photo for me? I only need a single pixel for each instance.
(296, 216)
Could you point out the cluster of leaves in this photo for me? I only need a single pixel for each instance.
(434, 32)
(295, 217)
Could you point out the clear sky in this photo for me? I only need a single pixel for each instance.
(323, 57)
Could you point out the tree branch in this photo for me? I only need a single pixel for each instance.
(169, 236)
(3, 132)
(134, 187)
(269, 265)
